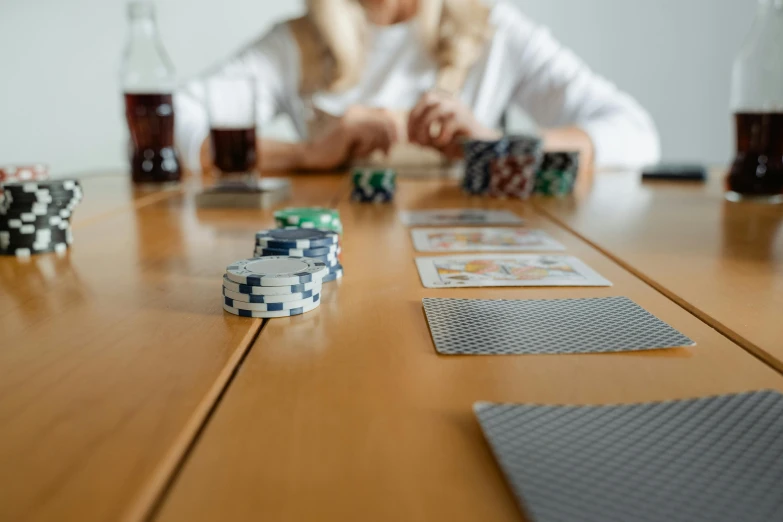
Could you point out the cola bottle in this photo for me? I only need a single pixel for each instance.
(757, 99)
(148, 82)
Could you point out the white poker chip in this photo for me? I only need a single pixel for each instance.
(271, 315)
(252, 298)
(297, 238)
(277, 271)
(269, 290)
(271, 307)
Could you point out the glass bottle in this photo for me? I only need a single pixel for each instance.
(148, 82)
(757, 101)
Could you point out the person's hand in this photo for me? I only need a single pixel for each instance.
(440, 120)
(356, 135)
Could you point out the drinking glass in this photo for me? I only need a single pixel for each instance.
(231, 104)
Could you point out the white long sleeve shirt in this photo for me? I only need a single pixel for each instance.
(523, 66)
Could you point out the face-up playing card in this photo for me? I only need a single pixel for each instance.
(459, 217)
(716, 459)
(506, 270)
(482, 240)
(546, 326)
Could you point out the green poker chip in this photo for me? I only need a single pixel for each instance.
(557, 183)
(375, 178)
(310, 217)
(310, 214)
(335, 226)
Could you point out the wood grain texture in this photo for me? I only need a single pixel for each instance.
(723, 261)
(110, 353)
(113, 192)
(347, 413)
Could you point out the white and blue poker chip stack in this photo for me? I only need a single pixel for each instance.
(317, 244)
(35, 216)
(277, 286)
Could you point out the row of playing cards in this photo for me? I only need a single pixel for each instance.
(492, 269)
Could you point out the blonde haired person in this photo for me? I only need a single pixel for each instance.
(360, 76)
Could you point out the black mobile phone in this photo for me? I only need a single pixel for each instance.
(675, 172)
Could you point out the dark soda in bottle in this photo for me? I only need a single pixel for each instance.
(149, 82)
(757, 99)
(150, 120)
(758, 168)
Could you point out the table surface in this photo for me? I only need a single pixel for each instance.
(723, 261)
(126, 393)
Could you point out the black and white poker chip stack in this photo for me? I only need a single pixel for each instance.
(35, 216)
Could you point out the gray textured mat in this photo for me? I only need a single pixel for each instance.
(548, 326)
(717, 459)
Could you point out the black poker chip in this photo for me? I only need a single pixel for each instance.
(28, 216)
(560, 161)
(37, 207)
(34, 186)
(37, 222)
(44, 195)
(20, 251)
(29, 236)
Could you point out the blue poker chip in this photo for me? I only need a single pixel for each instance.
(297, 252)
(333, 276)
(371, 195)
(329, 260)
(296, 238)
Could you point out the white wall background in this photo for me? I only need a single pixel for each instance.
(60, 98)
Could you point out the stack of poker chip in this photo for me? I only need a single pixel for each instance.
(310, 217)
(479, 156)
(557, 174)
(508, 157)
(374, 186)
(35, 216)
(272, 287)
(311, 243)
(514, 174)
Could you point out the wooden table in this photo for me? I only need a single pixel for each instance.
(126, 393)
(722, 261)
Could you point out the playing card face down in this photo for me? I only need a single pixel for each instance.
(495, 239)
(716, 459)
(546, 327)
(459, 217)
(493, 270)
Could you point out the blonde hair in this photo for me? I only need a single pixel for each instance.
(453, 31)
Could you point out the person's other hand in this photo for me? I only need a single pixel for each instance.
(440, 120)
(356, 135)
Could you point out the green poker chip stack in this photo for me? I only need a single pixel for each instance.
(557, 174)
(374, 186)
(310, 217)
